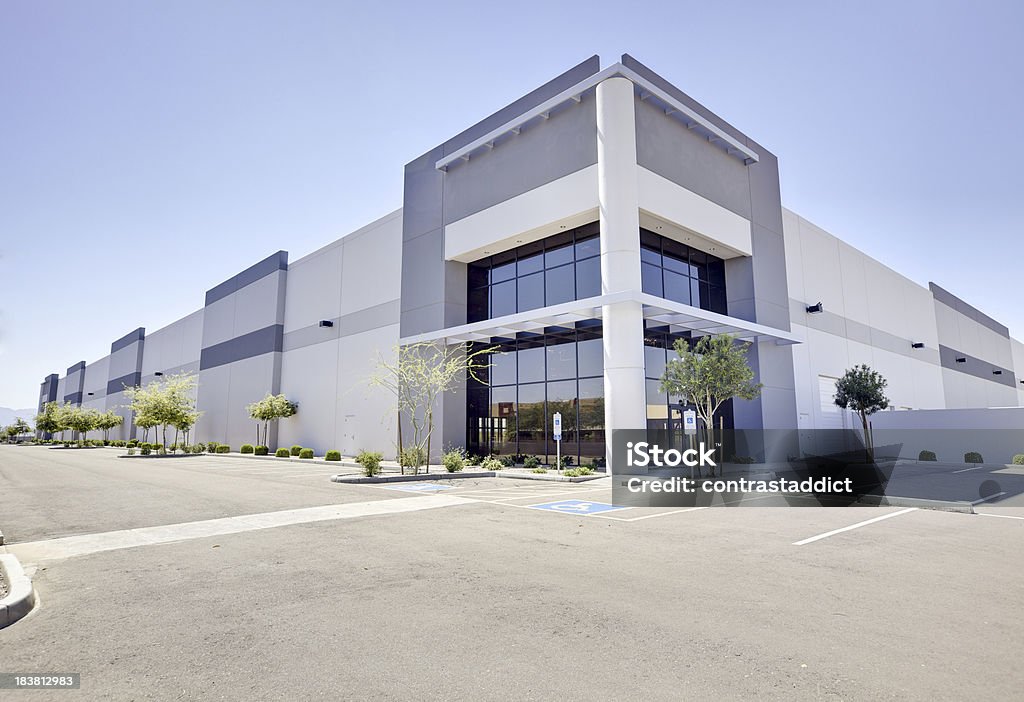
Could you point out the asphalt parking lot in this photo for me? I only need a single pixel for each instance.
(216, 577)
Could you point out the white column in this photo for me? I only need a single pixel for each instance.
(624, 387)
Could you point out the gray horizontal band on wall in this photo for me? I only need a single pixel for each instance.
(976, 367)
(271, 264)
(952, 301)
(74, 398)
(190, 367)
(118, 384)
(128, 339)
(257, 343)
(376, 317)
(838, 325)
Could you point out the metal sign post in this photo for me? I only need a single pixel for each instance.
(557, 432)
(690, 429)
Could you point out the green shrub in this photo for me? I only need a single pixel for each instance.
(146, 450)
(223, 448)
(133, 443)
(1018, 460)
(131, 451)
(508, 461)
(473, 460)
(564, 462)
(491, 464)
(212, 447)
(413, 456)
(531, 462)
(370, 461)
(332, 456)
(282, 453)
(306, 453)
(296, 449)
(540, 469)
(261, 450)
(454, 460)
(247, 448)
(579, 472)
(927, 456)
(973, 457)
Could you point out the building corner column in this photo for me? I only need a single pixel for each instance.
(624, 383)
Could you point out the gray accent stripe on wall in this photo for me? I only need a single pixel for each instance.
(976, 367)
(255, 343)
(128, 339)
(78, 366)
(950, 300)
(74, 398)
(376, 317)
(118, 384)
(832, 323)
(271, 264)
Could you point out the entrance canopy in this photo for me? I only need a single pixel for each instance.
(656, 311)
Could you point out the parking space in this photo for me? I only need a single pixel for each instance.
(223, 564)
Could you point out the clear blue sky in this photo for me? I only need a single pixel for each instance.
(151, 150)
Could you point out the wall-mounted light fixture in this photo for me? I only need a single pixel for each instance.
(917, 345)
(997, 372)
(90, 393)
(961, 359)
(815, 309)
(326, 323)
(158, 373)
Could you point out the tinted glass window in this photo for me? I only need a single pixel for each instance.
(531, 364)
(591, 357)
(651, 279)
(503, 299)
(588, 278)
(677, 287)
(531, 292)
(587, 248)
(503, 368)
(560, 285)
(561, 360)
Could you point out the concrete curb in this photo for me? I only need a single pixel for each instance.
(1, 538)
(21, 598)
(357, 479)
(296, 459)
(920, 503)
(550, 477)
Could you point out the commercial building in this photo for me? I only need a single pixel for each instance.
(583, 229)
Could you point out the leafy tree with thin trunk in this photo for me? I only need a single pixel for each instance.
(862, 390)
(48, 421)
(270, 409)
(417, 375)
(165, 403)
(712, 372)
(108, 420)
(83, 420)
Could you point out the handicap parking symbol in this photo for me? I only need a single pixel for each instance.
(419, 487)
(578, 507)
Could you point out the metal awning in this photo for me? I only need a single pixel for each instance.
(677, 316)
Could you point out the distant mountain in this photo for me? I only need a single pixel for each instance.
(8, 415)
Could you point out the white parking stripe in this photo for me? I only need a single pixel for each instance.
(858, 525)
(986, 499)
(964, 470)
(68, 546)
(1001, 516)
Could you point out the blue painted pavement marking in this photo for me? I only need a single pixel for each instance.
(577, 507)
(418, 487)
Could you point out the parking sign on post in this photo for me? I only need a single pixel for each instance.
(689, 422)
(556, 427)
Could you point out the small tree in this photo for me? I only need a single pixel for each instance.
(48, 421)
(107, 421)
(714, 371)
(270, 409)
(167, 403)
(82, 420)
(862, 390)
(419, 374)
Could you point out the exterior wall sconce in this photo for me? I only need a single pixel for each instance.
(997, 372)
(961, 359)
(158, 373)
(90, 393)
(326, 323)
(815, 309)
(917, 345)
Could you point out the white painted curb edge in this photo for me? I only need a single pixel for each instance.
(21, 598)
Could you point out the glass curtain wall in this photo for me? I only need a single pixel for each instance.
(532, 377)
(561, 268)
(680, 273)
